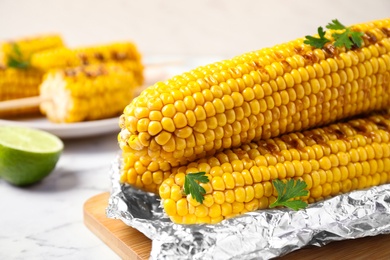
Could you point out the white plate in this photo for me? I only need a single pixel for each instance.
(64, 131)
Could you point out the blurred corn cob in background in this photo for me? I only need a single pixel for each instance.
(87, 92)
(331, 160)
(17, 78)
(19, 83)
(20, 50)
(124, 53)
(86, 84)
(258, 95)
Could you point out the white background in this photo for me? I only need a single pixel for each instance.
(180, 27)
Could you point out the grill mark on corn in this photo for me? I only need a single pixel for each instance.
(319, 139)
(293, 143)
(363, 129)
(299, 50)
(381, 123)
(118, 56)
(310, 58)
(273, 148)
(337, 132)
(279, 56)
(386, 31)
(89, 72)
(83, 58)
(211, 80)
(330, 50)
(235, 72)
(370, 37)
(286, 66)
(99, 56)
(256, 64)
(359, 128)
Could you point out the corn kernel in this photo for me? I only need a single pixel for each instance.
(237, 207)
(228, 180)
(249, 193)
(226, 209)
(219, 197)
(169, 207)
(239, 194)
(215, 211)
(263, 203)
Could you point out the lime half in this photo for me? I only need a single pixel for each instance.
(27, 155)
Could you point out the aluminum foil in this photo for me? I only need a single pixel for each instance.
(263, 234)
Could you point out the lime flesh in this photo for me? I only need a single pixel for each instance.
(27, 155)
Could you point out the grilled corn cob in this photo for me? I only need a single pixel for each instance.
(256, 96)
(28, 46)
(332, 160)
(17, 83)
(86, 93)
(125, 53)
(144, 173)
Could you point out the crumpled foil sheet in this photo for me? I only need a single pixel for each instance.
(263, 234)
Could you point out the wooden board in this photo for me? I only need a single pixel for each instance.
(129, 243)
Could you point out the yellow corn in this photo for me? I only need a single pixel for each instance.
(144, 173)
(86, 93)
(258, 95)
(28, 46)
(332, 160)
(19, 83)
(125, 53)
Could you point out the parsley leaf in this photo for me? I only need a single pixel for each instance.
(348, 39)
(336, 25)
(345, 37)
(288, 191)
(191, 185)
(317, 42)
(15, 59)
(342, 39)
(357, 38)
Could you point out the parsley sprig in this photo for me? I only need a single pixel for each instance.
(317, 42)
(15, 58)
(344, 36)
(347, 38)
(288, 191)
(192, 186)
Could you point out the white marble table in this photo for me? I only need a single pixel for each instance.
(45, 221)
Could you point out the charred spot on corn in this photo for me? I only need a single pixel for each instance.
(191, 185)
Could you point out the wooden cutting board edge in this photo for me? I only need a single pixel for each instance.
(126, 241)
(129, 243)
